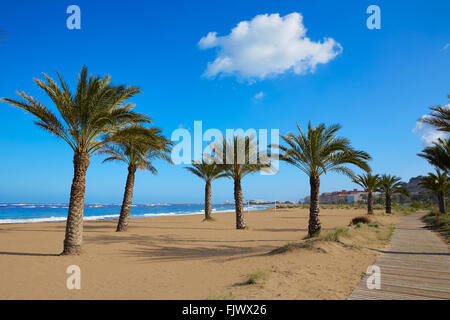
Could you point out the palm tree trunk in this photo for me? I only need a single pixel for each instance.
(441, 199)
(370, 203)
(127, 199)
(314, 208)
(388, 203)
(238, 200)
(208, 200)
(74, 225)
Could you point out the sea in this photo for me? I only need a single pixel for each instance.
(35, 212)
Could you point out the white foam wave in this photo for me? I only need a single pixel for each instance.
(32, 220)
(115, 216)
(156, 214)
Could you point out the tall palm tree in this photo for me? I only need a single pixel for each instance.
(391, 185)
(97, 109)
(138, 147)
(318, 152)
(439, 117)
(438, 154)
(238, 158)
(208, 171)
(371, 183)
(439, 184)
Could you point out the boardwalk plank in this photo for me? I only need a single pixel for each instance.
(416, 266)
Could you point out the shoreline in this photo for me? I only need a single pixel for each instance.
(54, 219)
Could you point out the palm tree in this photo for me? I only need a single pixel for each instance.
(391, 185)
(138, 147)
(438, 154)
(318, 152)
(437, 183)
(238, 158)
(87, 116)
(208, 171)
(439, 118)
(370, 183)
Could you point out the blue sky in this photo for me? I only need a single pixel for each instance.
(376, 88)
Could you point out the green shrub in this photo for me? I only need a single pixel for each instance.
(439, 222)
(256, 277)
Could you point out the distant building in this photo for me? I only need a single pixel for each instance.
(257, 201)
(343, 196)
(262, 202)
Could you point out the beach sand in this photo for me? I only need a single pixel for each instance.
(181, 257)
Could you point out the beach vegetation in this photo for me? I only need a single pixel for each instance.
(209, 171)
(438, 154)
(239, 157)
(138, 147)
(257, 277)
(439, 117)
(319, 151)
(438, 183)
(352, 236)
(85, 119)
(390, 185)
(438, 222)
(360, 219)
(371, 183)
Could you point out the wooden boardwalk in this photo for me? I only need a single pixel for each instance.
(416, 266)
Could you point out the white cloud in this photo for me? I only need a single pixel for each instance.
(427, 132)
(258, 97)
(447, 45)
(267, 45)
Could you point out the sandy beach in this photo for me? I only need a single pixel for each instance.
(181, 257)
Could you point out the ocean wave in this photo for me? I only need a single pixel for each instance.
(157, 214)
(55, 219)
(106, 216)
(32, 220)
(115, 216)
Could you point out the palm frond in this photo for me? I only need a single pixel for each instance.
(319, 150)
(436, 183)
(369, 182)
(439, 117)
(438, 154)
(207, 170)
(95, 111)
(138, 146)
(47, 119)
(239, 156)
(391, 184)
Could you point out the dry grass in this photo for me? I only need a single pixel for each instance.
(257, 277)
(355, 235)
(439, 223)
